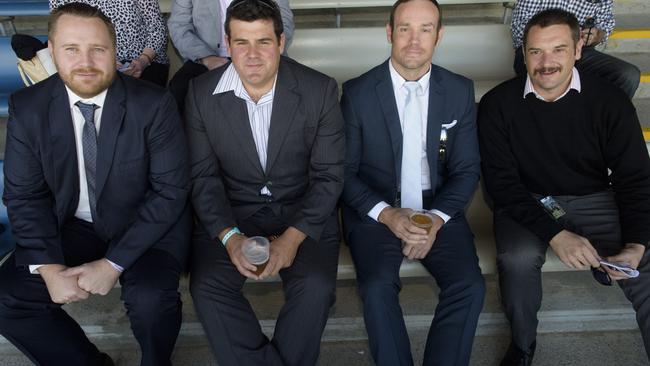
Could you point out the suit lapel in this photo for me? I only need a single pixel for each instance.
(285, 105)
(62, 142)
(111, 122)
(235, 113)
(386, 97)
(434, 124)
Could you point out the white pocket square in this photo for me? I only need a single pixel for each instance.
(447, 126)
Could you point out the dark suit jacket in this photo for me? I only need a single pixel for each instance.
(374, 141)
(304, 169)
(142, 179)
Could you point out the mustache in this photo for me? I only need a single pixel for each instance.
(86, 71)
(545, 70)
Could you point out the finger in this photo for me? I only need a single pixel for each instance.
(71, 272)
(406, 249)
(614, 274)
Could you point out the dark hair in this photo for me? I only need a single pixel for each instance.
(550, 17)
(391, 21)
(252, 10)
(82, 10)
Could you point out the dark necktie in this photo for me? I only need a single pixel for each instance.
(89, 144)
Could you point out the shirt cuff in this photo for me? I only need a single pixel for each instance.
(116, 266)
(33, 268)
(375, 211)
(442, 215)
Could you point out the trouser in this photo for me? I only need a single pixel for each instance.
(618, 72)
(521, 254)
(180, 82)
(228, 319)
(452, 261)
(47, 335)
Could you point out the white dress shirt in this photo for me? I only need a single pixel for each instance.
(400, 99)
(259, 114)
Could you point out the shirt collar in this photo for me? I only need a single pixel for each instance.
(575, 84)
(97, 99)
(230, 81)
(398, 80)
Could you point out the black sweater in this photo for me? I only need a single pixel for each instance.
(564, 148)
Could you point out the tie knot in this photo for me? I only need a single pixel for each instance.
(87, 110)
(412, 87)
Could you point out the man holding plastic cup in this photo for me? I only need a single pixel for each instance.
(411, 144)
(266, 137)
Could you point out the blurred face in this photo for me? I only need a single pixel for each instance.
(84, 54)
(414, 37)
(550, 54)
(255, 53)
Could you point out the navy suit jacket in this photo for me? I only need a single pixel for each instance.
(374, 141)
(142, 178)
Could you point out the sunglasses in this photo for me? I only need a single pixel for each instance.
(601, 276)
(267, 3)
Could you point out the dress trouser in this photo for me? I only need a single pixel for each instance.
(620, 73)
(180, 82)
(452, 261)
(521, 254)
(46, 334)
(228, 319)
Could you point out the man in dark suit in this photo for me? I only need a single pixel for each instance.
(266, 150)
(96, 186)
(411, 145)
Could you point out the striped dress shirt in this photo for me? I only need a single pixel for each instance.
(259, 114)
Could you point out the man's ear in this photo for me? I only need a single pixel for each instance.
(389, 33)
(579, 45)
(441, 33)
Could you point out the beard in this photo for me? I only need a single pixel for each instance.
(87, 87)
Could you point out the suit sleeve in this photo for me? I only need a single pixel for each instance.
(463, 163)
(325, 168)
(356, 192)
(29, 200)
(169, 186)
(501, 175)
(208, 196)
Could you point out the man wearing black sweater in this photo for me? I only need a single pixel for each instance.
(565, 135)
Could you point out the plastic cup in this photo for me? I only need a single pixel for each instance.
(256, 251)
(422, 219)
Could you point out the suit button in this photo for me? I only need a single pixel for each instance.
(269, 200)
(268, 183)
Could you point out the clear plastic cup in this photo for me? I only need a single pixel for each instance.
(256, 251)
(422, 219)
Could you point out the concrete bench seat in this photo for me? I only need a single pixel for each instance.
(345, 53)
(166, 5)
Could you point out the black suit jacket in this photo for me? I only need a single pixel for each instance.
(374, 141)
(142, 178)
(304, 169)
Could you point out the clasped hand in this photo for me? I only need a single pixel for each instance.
(416, 242)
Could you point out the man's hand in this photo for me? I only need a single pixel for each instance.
(397, 220)
(421, 249)
(631, 255)
(212, 62)
(62, 289)
(234, 249)
(574, 250)
(593, 37)
(283, 251)
(97, 277)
